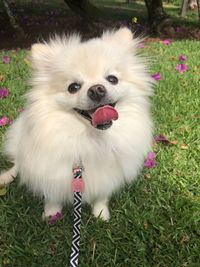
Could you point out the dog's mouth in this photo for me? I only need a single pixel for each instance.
(100, 117)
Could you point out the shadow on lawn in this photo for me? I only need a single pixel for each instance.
(41, 20)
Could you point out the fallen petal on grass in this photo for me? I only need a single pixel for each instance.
(162, 138)
(3, 92)
(166, 42)
(181, 68)
(4, 121)
(54, 218)
(182, 58)
(6, 59)
(149, 163)
(151, 155)
(141, 45)
(150, 160)
(156, 76)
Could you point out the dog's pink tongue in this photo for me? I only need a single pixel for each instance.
(104, 115)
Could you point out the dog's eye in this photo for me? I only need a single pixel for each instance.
(112, 79)
(74, 87)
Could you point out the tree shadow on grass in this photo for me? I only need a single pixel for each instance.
(42, 20)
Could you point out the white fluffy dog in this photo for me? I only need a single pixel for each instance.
(89, 102)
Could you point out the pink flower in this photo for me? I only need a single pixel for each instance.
(166, 42)
(3, 92)
(4, 121)
(156, 76)
(151, 155)
(141, 45)
(54, 218)
(181, 68)
(161, 138)
(182, 58)
(6, 59)
(150, 160)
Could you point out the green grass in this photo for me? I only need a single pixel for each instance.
(156, 221)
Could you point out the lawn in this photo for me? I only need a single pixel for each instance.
(156, 221)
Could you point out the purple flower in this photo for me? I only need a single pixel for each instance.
(141, 45)
(6, 59)
(181, 68)
(150, 160)
(54, 218)
(161, 138)
(4, 121)
(178, 29)
(151, 155)
(182, 58)
(3, 92)
(166, 42)
(156, 76)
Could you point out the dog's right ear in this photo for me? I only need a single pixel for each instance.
(120, 36)
(38, 49)
(40, 56)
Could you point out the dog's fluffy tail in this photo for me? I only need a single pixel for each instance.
(8, 176)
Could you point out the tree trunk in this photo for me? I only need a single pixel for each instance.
(158, 18)
(12, 19)
(184, 7)
(83, 8)
(198, 5)
(93, 20)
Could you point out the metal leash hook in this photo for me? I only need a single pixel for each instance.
(78, 189)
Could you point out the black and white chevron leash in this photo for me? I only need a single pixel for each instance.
(77, 188)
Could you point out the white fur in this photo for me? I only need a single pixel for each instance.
(49, 137)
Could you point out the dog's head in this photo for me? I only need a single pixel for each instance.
(91, 78)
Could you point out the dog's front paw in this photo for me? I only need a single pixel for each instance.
(101, 210)
(6, 178)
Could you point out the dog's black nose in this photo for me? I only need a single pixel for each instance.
(96, 92)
